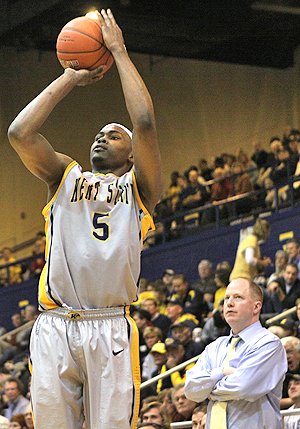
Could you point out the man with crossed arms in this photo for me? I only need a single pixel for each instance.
(248, 387)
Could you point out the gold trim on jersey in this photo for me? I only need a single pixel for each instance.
(147, 220)
(136, 374)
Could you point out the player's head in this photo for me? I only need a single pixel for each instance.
(112, 150)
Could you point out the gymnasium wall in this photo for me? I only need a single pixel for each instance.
(202, 110)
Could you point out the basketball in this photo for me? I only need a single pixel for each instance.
(80, 45)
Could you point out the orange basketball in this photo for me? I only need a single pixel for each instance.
(80, 45)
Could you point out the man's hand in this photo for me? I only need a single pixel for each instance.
(112, 33)
(227, 370)
(85, 77)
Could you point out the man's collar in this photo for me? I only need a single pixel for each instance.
(247, 333)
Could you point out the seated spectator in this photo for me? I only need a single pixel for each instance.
(222, 281)
(248, 164)
(17, 403)
(194, 195)
(192, 299)
(167, 278)
(29, 417)
(17, 422)
(12, 274)
(206, 283)
(38, 263)
(175, 354)
(174, 309)
(184, 406)
(293, 251)
(293, 422)
(289, 327)
(259, 156)
(286, 289)
(168, 405)
(292, 348)
(152, 335)
(198, 415)
(159, 354)
(215, 327)
(173, 191)
(241, 185)
(281, 260)
(159, 320)
(182, 329)
(142, 319)
(154, 413)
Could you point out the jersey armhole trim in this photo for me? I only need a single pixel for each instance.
(150, 218)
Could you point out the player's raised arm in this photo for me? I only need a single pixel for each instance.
(147, 161)
(34, 150)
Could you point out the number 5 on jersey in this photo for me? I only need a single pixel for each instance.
(101, 228)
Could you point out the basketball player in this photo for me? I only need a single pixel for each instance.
(84, 349)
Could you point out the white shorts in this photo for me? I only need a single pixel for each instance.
(85, 362)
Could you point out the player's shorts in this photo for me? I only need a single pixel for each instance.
(85, 361)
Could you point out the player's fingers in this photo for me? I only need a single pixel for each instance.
(111, 17)
(105, 17)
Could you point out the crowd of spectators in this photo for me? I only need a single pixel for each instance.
(245, 181)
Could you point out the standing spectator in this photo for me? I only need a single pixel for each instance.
(17, 403)
(242, 185)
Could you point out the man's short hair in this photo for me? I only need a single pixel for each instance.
(20, 385)
(294, 240)
(205, 262)
(180, 276)
(292, 340)
(256, 291)
(291, 264)
(200, 409)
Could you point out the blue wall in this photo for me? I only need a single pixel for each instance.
(182, 255)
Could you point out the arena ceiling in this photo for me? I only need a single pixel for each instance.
(259, 33)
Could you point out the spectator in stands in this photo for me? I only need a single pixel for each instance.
(154, 413)
(286, 289)
(281, 260)
(206, 283)
(167, 278)
(157, 319)
(194, 195)
(142, 319)
(198, 414)
(222, 281)
(28, 417)
(184, 406)
(293, 422)
(248, 258)
(174, 309)
(151, 426)
(152, 335)
(38, 262)
(259, 156)
(12, 274)
(242, 185)
(173, 191)
(159, 354)
(192, 299)
(293, 251)
(215, 327)
(289, 327)
(292, 348)
(168, 405)
(182, 329)
(17, 403)
(248, 164)
(17, 422)
(205, 170)
(175, 356)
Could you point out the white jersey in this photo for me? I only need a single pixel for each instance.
(95, 225)
(292, 422)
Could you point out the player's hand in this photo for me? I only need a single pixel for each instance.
(112, 33)
(227, 370)
(85, 77)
